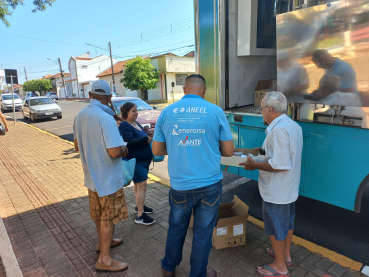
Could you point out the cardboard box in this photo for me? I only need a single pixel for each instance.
(230, 229)
(262, 88)
(235, 160)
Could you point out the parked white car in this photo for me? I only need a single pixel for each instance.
(7, 102)
(40, 107)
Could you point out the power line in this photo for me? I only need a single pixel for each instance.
(42, 39)
(155, 31)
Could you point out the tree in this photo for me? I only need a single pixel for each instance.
(8, 6)
(140, 74)
(37, 85)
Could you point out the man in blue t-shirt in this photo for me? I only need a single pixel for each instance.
(323, 59)
(194, 134)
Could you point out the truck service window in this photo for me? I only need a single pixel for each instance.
(266, 28)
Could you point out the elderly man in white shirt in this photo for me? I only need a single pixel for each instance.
(329, 86)
(279, 165)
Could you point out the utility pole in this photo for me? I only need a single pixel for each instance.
(11, 77)
(112, 68)
(62, 75)
(25, 72)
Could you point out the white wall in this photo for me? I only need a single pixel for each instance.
(180, 65)
(94, 68)
(177, 90)
(158, 93)
(120, 89)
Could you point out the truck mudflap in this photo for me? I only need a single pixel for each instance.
(359, 194)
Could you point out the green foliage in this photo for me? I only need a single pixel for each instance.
(140, 74)
(37, 85)
(330, 42)
(8, 6)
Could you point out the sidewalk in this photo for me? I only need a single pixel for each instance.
(44, 206)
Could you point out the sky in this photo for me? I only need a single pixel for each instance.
(138, 27)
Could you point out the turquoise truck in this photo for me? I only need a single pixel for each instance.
(237, 45)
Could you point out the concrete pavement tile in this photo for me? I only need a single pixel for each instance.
(79, 264)
(313, 259)
(86, 273)
(302, 254)
(312, 268)
(324, 264)
(82, 250)
(337, 270)
(127, 254)
(311, 275)
(298, 272)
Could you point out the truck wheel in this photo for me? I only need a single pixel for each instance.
(33, 119)
(59, 117)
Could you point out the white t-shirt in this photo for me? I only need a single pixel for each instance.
(283, 149)
(294, 76)
(96, 131)
(342, 99)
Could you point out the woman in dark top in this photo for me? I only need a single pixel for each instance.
(138, 144)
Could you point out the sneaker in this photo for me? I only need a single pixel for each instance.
(144, 219)
(147, 210)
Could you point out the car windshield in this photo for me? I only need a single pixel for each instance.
(40, 101)
(141, 105)
(9, 97)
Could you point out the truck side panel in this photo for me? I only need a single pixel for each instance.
(331, 170)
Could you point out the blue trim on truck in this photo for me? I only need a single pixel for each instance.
(334, 162)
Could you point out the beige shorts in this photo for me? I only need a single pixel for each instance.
(110, 209)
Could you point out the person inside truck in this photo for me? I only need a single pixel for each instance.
(279, 180)
(292, 80)
(323, 59)
(328, 93)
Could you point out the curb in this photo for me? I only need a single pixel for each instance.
(7, 255)
(333, 256)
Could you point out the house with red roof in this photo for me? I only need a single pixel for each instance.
(83, 71)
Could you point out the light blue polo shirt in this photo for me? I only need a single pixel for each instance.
(192, 128)
(346, 73)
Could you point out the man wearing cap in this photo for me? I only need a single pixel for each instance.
(101, 147)
(292, 80)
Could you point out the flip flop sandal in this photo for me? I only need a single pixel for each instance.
(271, 253)
(272, 270)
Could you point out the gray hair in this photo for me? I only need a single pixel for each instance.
(331, 82)
(277, 101)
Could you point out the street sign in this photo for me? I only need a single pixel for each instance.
(11, 72)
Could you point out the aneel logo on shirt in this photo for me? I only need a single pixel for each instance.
(189, 142)
(190, 110)
(177, 131)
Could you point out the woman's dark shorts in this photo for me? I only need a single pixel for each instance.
(141, 171)
(278, 219)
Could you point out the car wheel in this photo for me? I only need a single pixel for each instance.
(59, 117)
(25, 117)
(33, 119)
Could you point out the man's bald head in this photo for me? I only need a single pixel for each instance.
(195, 84)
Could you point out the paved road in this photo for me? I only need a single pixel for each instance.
(335, 228)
